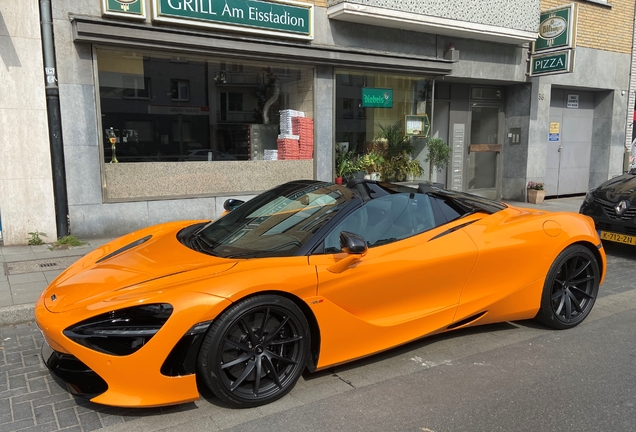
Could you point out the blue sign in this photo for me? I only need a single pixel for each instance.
(553, 137)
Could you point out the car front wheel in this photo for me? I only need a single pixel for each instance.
(255, 351)
(570, 288)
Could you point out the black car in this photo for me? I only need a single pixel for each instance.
(612, 205)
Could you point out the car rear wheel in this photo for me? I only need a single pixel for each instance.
(570, 288)
(255, 351)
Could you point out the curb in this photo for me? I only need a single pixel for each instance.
(11, 315)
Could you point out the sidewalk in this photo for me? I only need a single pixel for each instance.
(27, 270)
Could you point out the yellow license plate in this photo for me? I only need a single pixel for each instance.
(619, 238)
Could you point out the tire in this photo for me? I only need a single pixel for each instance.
(570, 288)
(255, 351)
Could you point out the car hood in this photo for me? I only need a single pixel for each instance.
(108, 270)
(618, 189)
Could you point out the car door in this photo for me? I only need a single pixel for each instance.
(407, 285)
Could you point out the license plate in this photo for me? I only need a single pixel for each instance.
(619, 238)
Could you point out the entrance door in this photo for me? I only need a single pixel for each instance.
(482, 169)
(568, 156)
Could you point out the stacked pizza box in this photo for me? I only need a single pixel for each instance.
(304, 128)
(288, 147)
(288, 142)
(269, 154)
(286, 117)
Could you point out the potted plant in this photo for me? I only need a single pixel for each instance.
(393, 140)
(400, 167)
(397, 152)
(439, 155)
(345, 165)
(536, 192)
(371, 164)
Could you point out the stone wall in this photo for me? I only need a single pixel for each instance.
(26, 188)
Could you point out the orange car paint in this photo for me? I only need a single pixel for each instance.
(393, 294)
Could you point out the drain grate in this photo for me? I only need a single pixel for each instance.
(34, 266)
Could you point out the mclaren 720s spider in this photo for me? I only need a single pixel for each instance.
(306, 275)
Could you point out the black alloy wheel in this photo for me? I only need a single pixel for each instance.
(255, 351)
(570, 288)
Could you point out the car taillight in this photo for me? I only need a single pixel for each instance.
(120, 332)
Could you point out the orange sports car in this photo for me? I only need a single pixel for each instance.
(307, 275)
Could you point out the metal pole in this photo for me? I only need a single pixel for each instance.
(55, 122)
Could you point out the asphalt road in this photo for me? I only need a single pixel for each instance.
(504, 377)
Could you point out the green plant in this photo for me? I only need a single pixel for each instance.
(34, 239)
(69, 240)
(535, 185)
(439, 155)
(370, 162)
(345, 164)
(400, 166)
(393, 139)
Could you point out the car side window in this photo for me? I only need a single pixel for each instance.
(385, 220)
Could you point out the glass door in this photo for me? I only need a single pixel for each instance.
(485, 147)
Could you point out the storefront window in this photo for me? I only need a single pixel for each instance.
(162, 108)
(369, 103)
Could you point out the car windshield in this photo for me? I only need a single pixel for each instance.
(276, 223)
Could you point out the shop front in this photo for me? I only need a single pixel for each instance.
(189, 111)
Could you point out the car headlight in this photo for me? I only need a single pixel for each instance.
(120, 332)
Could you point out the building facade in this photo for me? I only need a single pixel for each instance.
(168, 107)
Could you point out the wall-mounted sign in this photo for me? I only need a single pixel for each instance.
(573, 101)
(552, 63)
(555, 132)
(557, 29)
(417, 125)
(287, 19)
(377, 97)
(555, 127)
(124, 8)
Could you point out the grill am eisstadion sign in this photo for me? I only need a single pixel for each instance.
(279, 18)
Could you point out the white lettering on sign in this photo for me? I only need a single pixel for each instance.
(234, 12)
(187, 5)
(255, 15)
(554, 62)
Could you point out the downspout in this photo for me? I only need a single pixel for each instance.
(55, 121)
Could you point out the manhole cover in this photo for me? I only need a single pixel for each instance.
(34, 266)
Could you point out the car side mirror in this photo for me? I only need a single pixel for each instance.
(354, 246)
(353, 243)
(231, 204)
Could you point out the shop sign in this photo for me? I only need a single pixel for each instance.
(417, 125)
(552, 63)
(573, 101)
(377, 97)
(557, 29)
(124, 8)
(288, 19)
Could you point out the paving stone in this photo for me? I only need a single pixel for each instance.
(90, 421)
(67, 417)
(22, 411)
(44, 414)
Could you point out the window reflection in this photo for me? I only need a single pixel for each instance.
(162, 109)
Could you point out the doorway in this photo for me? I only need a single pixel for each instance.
(484, 151)
(569, 143)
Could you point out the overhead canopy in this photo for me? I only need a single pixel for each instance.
(140, 36)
